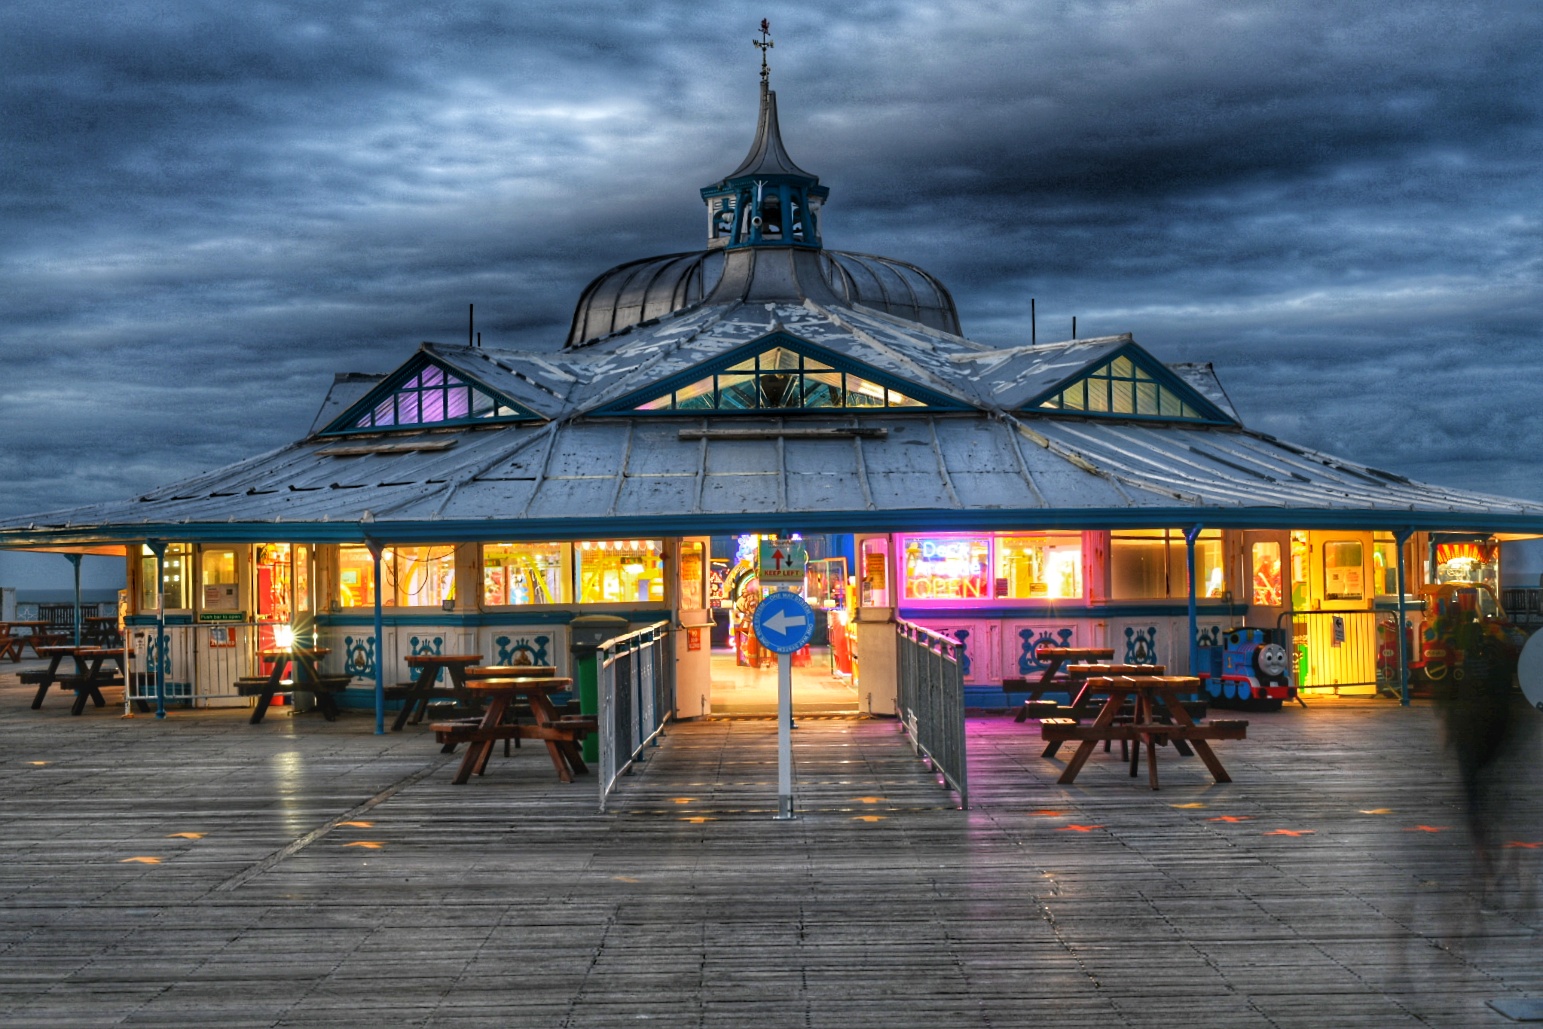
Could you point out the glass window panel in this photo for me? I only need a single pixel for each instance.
(700, 388)
(457, 402)
(1267, 581)
(356, 576)
(1146, 398)
(176, 578)
(947, 568)
(901, 400)
(1169, 405)
(421, 576)
(744, 366)
(407, 407)
(779, 359)
(481, 404)
(433, 406)
(1098, 394)
(736, 392)
(1040, 567)
(431, 376)
(217, 579)
(779, 390)
(1121, 366)
(1123, 400)
(525, 573)
(1138, 565)
(1074, 398)
(823, 389)
(384, 413)
(862, 393)
(703, 402)
(619, 571)
(661, 404)
(1342, 571)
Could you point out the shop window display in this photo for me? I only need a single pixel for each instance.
(1153, 564)
(619, 571)
(176, 590)
(525, 573)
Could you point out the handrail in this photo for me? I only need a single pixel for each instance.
(636, 686)
(931, 701)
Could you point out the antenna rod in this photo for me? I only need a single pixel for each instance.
(1074, 326)
(1033, 335)
(471, 322)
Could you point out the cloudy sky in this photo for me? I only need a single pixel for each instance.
(206, 209)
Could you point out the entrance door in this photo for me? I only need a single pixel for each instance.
(1266, 575)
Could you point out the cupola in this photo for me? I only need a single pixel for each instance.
(768, 200)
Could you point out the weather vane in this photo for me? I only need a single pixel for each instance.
(764, 44)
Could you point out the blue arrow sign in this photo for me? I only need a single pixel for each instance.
(783, 622)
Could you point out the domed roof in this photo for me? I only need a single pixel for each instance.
(655, 287)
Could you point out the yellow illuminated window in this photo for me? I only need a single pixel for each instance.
(620, 571)
(1041, 567)
(525, 573)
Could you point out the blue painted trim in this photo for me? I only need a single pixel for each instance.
(627, 405)
(1153, 367)
(145, 621)
(479, 619)
(343, 425)
(1147, 610)
(727, 524)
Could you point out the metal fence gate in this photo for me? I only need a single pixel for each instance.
(931, 695)
(636, 681)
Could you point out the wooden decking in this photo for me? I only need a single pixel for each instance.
(202, 871)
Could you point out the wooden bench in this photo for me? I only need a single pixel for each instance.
(324, 687)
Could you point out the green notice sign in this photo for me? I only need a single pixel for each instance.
(222, 616)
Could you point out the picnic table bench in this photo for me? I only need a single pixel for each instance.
(1157, 717)
(561, 733)
(307, 679)
(1051, 677)
(92, 674)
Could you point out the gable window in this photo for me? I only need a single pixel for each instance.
(1122, 387)
(432, 395)
(779, 379)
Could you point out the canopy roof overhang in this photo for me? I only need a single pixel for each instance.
(877, 472)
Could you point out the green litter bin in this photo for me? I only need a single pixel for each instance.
(585, 634)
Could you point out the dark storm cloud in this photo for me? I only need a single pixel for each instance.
(206, 210)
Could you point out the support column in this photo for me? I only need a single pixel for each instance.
(1190, 535)
(1401, 537)
(74, 559)
(158, 652)
(376, 547)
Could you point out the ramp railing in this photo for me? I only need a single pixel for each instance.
(636, 683)
(931, 696)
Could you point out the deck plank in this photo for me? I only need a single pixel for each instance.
(512, 901)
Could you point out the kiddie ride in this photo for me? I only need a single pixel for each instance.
(1250, 670)
(1450, 607)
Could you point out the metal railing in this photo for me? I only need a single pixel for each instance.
(636, 684)
(931, 698)
(1334, 649)
(198, 662)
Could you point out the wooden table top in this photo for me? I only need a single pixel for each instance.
(1112, 669)
(546, 684)
(510, 671)
(1069, 652)
(1145, 682)
(442, 659)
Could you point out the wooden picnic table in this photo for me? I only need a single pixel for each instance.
(37, 635)
(1159, 716)
(425, 683)
(89, 678)
(560, 733)
(1054, 658)
(307, 677)
(101, 629)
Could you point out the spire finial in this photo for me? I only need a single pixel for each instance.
(764, 44)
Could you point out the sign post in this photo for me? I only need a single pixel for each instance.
(784, 622)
